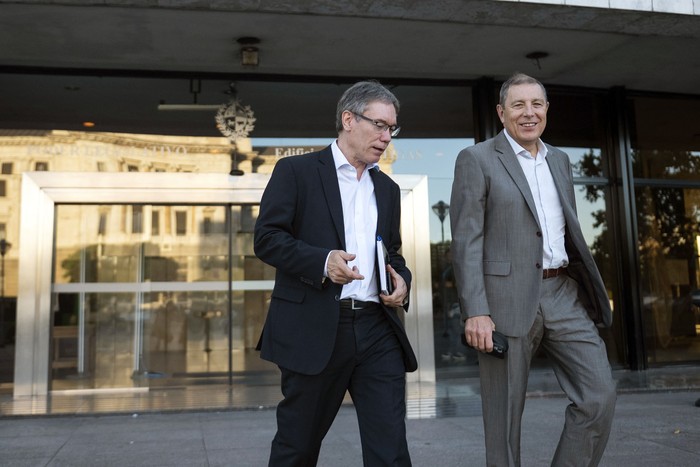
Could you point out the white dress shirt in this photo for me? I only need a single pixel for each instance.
(549, 210)
(360, 218)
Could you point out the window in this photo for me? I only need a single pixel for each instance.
(41, 166)
(6, 168)
(137, 219)
(180, 223)
(664, 136)
(665, 152)
(155, 223)
(102, 224)
(3, 188)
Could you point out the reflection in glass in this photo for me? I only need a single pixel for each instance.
(669, 164)
(664, 140)
(669, 225)
(146, 305)
(82, 255)
(185, 335)
(594, 215)
(92, 339)
(585, 162)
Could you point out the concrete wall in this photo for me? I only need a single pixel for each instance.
(682, 7)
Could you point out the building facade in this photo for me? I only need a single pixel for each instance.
(111, 134)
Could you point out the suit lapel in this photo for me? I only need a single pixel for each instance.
(560, 177)
(382, 195)
(331, 190)
(510, 162)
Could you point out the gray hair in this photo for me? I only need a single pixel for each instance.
(516, 79)
(357, 97)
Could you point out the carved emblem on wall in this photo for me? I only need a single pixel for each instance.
(234, 120)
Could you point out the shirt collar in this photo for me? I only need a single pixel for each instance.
(518, 149)
(340, 160)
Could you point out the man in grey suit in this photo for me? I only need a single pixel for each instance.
(522, 267)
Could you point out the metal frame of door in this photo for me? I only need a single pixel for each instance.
(41, 191)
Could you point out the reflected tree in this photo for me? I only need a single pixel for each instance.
(667, 223)
(590, 165)
(667, 217)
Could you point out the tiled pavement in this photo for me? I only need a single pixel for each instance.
(656, 424)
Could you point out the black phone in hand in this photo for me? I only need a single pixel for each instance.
(500, 344)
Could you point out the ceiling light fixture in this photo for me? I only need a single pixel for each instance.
(537, 56)
(249, 51)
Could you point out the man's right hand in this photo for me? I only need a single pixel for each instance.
(338, 270)
(478, 330)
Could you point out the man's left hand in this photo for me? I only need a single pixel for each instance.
(400, 293)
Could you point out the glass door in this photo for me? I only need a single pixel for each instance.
(156, 296)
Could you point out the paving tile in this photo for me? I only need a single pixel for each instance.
(649, 429)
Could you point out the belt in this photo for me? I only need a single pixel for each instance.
(548, 273)
(352, 304)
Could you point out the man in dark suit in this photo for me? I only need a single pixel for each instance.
(329, 328)
(523, 267)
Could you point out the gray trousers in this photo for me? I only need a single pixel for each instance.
(579, 360)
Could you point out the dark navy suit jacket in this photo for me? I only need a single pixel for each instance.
(300, 222)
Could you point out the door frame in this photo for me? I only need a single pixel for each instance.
(41, 191)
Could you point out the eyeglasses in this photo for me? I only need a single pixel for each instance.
(379, 125)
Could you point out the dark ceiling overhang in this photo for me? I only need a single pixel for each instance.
(114, 61)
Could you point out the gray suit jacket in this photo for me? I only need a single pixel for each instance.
(497, 239)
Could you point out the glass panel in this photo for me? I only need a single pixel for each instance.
(669, 239)
(664, 137)
(134, 309)
(576, 124)
(585, 162)
(92, 245)
(92, 340)
(108, 346)
(249, 307)
(436, 158)
(208, 346)
(594, 214)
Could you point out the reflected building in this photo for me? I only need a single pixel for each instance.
(141, 293)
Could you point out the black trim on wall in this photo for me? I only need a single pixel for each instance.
(486, 122)
(626, 233)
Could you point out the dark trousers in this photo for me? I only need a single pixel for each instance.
(367, 361)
